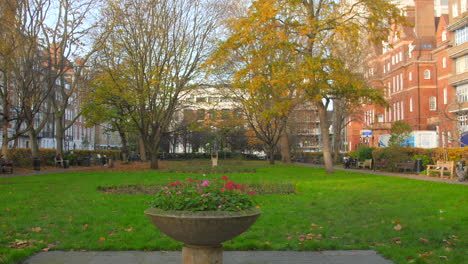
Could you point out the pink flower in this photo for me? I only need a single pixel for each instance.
(179, 192)
(165, 187)
(206, 183)
(205, 195)
(224, 178)
(220, 206)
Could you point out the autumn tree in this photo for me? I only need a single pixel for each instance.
(261, 64)
(310, 27)
(8, 44)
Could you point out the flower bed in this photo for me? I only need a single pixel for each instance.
(203, 195)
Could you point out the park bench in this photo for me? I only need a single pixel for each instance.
(441, 167)
(381, 164)
(6, 166)
(365, 164)
(408, 165)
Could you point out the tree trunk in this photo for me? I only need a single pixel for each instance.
(324, 130)
(5, 119)
(271, 154)
(154, 157)
(284, 146)
(142, 149)
(34, 144)
(59, 135)
(123, 138)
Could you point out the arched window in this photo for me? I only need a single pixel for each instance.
(427, 74)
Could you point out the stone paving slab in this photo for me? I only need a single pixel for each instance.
(230, 257)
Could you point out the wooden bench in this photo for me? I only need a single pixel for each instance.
(441, 167)
(6, 167)
(407, 165)
(381, 164)
(365, 164)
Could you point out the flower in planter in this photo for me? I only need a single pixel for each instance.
(204, 195)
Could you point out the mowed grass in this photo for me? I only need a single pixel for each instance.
(405, 220)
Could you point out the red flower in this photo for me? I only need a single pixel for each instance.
(189, 180)
(222, 190)
(238, 186)
(178, 182)
(224, 178)
(173, 184)
(251, 192)
(198, 181)
(229, 185)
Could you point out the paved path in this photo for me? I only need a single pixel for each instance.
(385, 173)
(230, 257)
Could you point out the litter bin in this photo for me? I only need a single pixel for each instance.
(66, 164)
(37, 164)
(461, 170)
(419, 166)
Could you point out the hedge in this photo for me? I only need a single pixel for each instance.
(429, 156)
(22, 157)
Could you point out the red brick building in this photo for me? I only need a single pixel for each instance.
(414, 69)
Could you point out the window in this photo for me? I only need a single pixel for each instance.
(445, 95)
(463, 121)
(462, 93)
(401, 81)
(401, 55)
(461, 64)
(427, 74)
(394, 84)
(432, 103)
(402, 110)
(455, 10)
(410, 77)
(389, 89)
(201, 99)
(393, 60)
(411, 104)
(444, 35)
(461, 35)
(444, 62)
(380, 118)
(398, 109)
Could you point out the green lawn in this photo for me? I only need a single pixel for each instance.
(407, 221)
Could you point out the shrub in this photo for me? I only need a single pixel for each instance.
(22, 157)
(364, 153)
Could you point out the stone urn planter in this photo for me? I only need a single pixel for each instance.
(202, 232)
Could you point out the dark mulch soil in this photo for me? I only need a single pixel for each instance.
(276, 188)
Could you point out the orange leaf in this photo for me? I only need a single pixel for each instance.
(398, 227)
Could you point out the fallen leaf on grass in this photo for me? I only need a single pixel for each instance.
(130, 229)
(425, 254)
(398, 227)
(101, 239)
(36, 229)
(7, 210)
(85, 226)
(423, 240)
(18, 244)
(448, 249)
(396, 240)
(45, 249)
